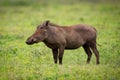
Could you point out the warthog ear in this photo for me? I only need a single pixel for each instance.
(47, 23)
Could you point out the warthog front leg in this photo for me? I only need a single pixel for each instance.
(61, 52)
(55, 55)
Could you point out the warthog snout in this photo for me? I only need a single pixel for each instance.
(31, 41)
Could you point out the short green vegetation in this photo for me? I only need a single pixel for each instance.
(19, 19)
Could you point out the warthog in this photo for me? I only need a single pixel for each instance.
(59, 38)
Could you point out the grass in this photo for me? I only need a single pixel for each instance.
(19, 19)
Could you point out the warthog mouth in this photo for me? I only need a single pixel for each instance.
(30, 43)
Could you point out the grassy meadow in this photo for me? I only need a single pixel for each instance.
(19, 19)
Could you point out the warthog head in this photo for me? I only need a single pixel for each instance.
(39, 35)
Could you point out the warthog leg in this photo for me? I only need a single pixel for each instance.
(88, 52)
(55, 55)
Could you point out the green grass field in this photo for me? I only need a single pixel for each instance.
(19, 19)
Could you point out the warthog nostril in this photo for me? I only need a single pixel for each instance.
(28, 43)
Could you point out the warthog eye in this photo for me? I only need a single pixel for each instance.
(41, 27)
